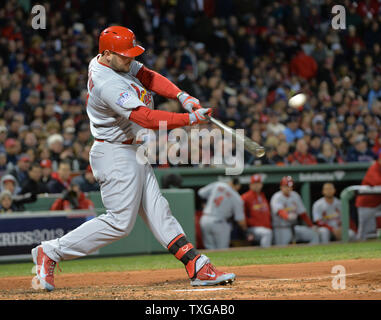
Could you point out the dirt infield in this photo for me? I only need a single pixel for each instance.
(286, 281)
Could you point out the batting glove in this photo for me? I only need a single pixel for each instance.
(188, 102)
(199, 116)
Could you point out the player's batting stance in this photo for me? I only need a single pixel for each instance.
(120, 104)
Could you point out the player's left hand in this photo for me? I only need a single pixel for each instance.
(188, 102)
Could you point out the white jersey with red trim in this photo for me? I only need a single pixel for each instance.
(223, 201)
(111, 98)
(292, 204)
(329, 213)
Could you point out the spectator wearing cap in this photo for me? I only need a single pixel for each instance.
(369, 206)
(360, 152)
(60, 179)
(20, 171)
(301, 154)
(12, 148)
(46, 166)
(257, 212)
(9, 183)
(86, 181)
(318, 126)
(292, 131)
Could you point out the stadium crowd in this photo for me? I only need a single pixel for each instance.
(242, 58)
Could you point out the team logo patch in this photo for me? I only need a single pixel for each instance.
(123, 97)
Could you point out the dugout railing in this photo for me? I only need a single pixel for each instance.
(345, 197)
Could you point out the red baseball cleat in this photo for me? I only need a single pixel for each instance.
(210, 276)
(44, 268)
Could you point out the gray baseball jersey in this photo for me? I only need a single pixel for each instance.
(328, 213)
(128, 187)
(292, 204)
(223, 202)
(111, 101)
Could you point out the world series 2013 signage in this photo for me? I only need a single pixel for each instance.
(20, 232)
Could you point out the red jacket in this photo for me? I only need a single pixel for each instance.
(257, 209)
(83, 204)
(298, 158)
(372, 178)
(303, 66)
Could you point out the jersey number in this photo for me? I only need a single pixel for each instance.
(218, 201)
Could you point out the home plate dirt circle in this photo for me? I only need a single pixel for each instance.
(286, 281)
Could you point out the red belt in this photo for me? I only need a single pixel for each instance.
(129, 141)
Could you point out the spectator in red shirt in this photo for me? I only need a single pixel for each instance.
(369, 206)
(257, 212)
(301, 155)
(73, 199)
(303, 65)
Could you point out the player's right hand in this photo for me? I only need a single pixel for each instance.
(292, 216)
(188, 102)
(199, 116)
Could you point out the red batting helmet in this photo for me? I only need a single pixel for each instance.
(287, 181)
(120, 40)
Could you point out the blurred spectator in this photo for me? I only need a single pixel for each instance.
(6, 202)
(73, 199)
(369, 206)
(292, 131)
(327, 154)
(360, 152)
(171, 181)
(20, 171)
(301, 154)
(33, 185)
(86, 181)
(257, 212)
(243, 58)
(60, 179)
(46, 166)
(282, 152)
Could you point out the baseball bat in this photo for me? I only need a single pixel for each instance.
(249, 145)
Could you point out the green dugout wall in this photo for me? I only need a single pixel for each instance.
(308, 177)
(182, 201)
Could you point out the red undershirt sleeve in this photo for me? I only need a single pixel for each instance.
(283, 214)
(157, 83)
(323, 224)
(306, 219)
(150, 119)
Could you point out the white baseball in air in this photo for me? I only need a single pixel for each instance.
(297, 100)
